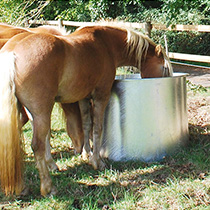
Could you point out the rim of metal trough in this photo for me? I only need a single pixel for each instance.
(131, 77)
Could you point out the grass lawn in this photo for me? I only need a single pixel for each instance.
(180, 181)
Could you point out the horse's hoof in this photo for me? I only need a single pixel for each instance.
(49, 192)
(75, 152)
(52, 166)
(25, 192)
(102, 165)
(78, 150)
(86, 155)
(97, 163)
(53, 191)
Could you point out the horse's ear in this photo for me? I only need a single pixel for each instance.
(158, 50)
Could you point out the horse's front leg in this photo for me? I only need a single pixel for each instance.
(41, 127)
(85, 109)
(98, 117)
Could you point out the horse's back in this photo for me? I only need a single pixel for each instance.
(12, 42)
(4, 26)
(10, 32)
(46, 29)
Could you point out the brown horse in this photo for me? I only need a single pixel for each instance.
(71, 111)
(43, 68)
(8, 31)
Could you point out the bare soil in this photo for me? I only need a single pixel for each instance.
(197, 75)
(198, 103)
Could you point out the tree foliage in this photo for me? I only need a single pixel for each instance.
(186, 12)
(16, 12)
(163, 11)
(167, 12)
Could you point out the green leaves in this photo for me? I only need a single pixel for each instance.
(17, 12)
(161, 11)
(185, 12)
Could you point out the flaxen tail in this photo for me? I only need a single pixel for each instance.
(10, 144)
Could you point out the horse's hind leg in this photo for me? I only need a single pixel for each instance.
(85, 108)
(74, 125)
(41, 127)
(24, 119)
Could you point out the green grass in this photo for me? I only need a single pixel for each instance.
(194, 89)
(180, 181)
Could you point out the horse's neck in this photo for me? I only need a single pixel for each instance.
(116, 41)
(113, 39)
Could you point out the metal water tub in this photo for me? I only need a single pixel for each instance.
(146, 119)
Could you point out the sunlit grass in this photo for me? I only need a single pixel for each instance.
(180, 181)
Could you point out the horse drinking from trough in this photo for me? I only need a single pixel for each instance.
(43, 68)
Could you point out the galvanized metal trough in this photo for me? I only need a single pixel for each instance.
(146, 119)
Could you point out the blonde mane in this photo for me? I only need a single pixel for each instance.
(138, 43)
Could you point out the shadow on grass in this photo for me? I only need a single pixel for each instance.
(190, 162)
(79, 183)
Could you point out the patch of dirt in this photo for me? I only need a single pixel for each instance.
(198, 103)
(199, 112)
(198, 76)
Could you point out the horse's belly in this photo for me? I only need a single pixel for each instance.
(77, 87)
(71, 94)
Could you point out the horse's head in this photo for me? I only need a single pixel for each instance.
(156, 63)
(148, 57)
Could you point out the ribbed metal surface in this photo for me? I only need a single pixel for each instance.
(145, 119)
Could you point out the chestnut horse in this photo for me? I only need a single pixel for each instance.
(43, 68)
(74, 128)
(8, 31)
(71, 111)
